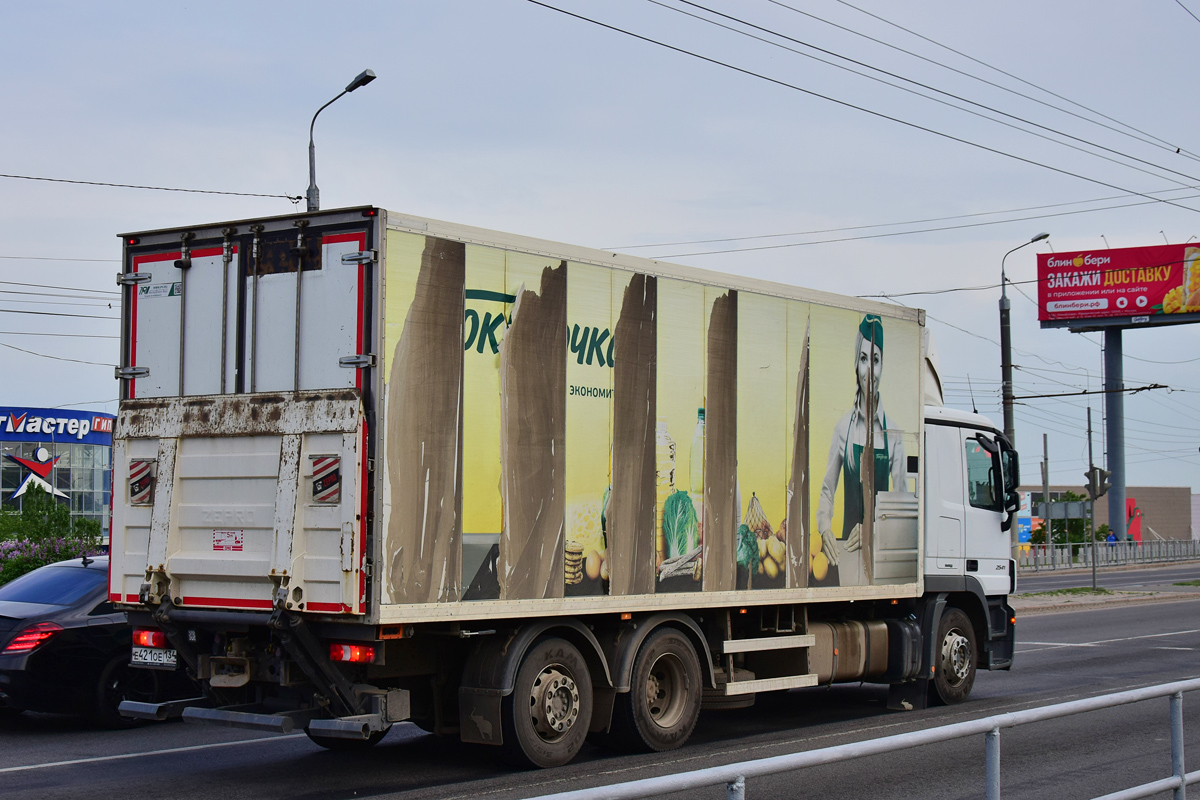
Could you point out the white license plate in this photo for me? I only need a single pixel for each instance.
(159, 657)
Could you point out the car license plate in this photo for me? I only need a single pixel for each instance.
(153, 657)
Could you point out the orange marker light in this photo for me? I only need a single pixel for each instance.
(625, 615)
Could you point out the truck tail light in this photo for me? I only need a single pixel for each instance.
(148, 637)
(141, 481)
(353, 653)
(33, 637)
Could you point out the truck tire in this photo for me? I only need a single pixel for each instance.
(348, 745)
(547, 715)
(955, 657)
(662, 705)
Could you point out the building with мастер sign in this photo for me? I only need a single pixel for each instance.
(66, 453)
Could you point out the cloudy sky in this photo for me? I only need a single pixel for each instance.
(899, 147)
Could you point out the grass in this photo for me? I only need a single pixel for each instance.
(1072, 592)
(1187, 583)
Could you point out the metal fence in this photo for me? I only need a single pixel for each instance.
(1037, 557)
(734, 775)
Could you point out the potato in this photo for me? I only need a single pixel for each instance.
(762, 549)
(771, 568)
(761, 569)
(776, 550)
(604, 569)
(592, 564)
(820, 566)
(814, 544)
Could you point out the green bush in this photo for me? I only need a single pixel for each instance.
(42, 532)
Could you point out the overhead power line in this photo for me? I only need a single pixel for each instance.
(913, 222)
(55, 358)
(1188, 10)
(294, 199)
(54, 314)
(959, 98)
(50, 258)
(64, 288)
(64, 335)
(1162, 142)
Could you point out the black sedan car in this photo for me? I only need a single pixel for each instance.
(65, 649)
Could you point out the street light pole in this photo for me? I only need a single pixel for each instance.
(314, 194)
(1006, 343)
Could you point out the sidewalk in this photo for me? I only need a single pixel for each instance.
(1047, 603)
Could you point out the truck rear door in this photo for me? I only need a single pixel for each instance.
(240, 453)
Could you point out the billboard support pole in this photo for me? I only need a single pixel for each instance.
(1114, 432)
(1092, 501)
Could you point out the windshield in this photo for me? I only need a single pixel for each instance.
(58, 586)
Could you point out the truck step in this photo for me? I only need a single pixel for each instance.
(281, 722)
(172, 709)
(768, 643)
(770, 684)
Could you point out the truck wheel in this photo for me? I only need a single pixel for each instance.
(546, 717)
(663, 703)
(348, 745)
(954, 658)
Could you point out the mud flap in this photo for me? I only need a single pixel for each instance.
(479, 716)
(910, 696)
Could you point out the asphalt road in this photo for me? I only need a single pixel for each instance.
(1060, 657)
(1126, 578)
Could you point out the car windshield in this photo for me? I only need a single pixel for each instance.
(58, 586)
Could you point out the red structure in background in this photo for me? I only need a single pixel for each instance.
(1133, 516)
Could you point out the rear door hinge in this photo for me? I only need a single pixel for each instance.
(361, 361)
(129, 373)
(361, 257)
(127, 278)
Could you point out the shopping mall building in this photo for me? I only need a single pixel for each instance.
(66, 453)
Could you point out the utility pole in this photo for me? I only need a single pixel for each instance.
(1092, 501)
(1046, 495)
(1006, 344)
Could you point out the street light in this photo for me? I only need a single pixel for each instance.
(1006, 343)
(314, 194)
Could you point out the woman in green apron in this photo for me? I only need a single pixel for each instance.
(846, 455)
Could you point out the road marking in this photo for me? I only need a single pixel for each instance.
(1173, 648)
(120, 756)
(1098, 642)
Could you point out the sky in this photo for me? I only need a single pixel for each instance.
(512, 115)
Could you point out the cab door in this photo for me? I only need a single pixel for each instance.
(987, 543)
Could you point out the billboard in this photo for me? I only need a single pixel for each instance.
(1140, 282)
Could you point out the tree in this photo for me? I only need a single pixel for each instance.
(42, 532)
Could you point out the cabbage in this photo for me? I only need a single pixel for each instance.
(747, 546)
(679, 524)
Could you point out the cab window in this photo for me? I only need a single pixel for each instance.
(982, 488)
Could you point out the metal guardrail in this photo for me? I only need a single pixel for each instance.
(734, 775)
(1037, 557)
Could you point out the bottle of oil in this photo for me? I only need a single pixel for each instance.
(664, 484)
(696, 477)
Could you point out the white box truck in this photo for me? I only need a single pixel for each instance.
(370, 467)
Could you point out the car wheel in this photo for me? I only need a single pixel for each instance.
(661, 708)
(546, 717)
(348, 745)
(119, 681)
(956, 656)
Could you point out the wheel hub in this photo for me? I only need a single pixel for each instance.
(666, 690)
(956, 656)
(554, 703)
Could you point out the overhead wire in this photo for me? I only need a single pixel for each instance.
(847, 104)
(1161, 142)
(1192, 179)
(292, 198)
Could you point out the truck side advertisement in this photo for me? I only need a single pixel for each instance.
(561, 429)
(1127, 282)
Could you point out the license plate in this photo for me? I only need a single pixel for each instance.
(153, 657)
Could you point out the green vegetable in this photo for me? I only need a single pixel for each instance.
(747, 546)
(679, 524)
(604, 510)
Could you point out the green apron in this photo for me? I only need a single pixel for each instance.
(852, 488)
